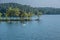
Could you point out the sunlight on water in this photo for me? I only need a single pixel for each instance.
(24, 24)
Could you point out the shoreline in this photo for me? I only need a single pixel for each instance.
(19, 19)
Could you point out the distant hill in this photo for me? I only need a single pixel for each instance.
(27, 8)
(48, 10)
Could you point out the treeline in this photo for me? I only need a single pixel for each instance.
(28, 9)
(15, 10)
(50, 10)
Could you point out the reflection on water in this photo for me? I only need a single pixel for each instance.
(23, 23)
(15, 30)
(48, 28)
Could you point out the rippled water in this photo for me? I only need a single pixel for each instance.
(48, 28)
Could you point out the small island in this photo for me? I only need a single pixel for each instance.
(12, 12)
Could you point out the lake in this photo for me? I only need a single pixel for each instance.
(48, 28)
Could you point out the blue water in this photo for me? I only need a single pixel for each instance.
(48, 28)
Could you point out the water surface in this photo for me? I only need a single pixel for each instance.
(48, 28)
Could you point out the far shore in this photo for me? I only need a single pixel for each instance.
(18, 19)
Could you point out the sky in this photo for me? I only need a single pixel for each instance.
(36, 3)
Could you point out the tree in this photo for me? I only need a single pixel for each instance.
(0, 15)
(6, 15)
(17, 11)
(13, 12)
(30, 14)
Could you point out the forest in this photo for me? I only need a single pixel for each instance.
(14, 9)
(9, 10)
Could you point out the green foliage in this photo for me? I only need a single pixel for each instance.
(14, 12)
(0, 14)
(11, 12)
(24, 8)
(18, 10)
(27, 8)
